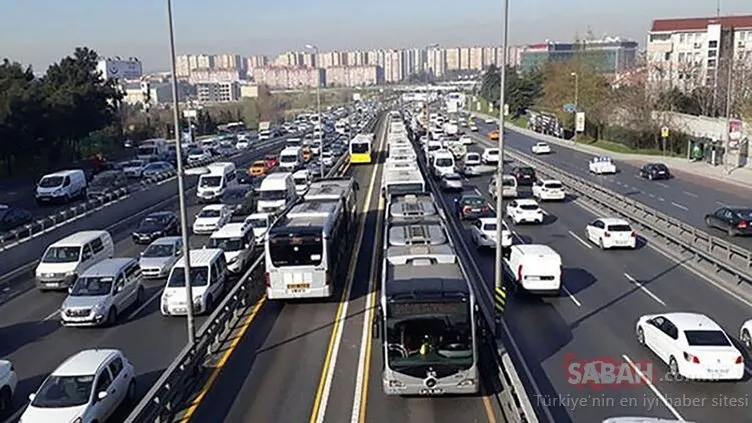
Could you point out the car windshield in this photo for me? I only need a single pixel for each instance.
(64, 391)
(444, 162)
(288, 158)
(91, 287)
(472, 157)
(452, 177)
(256, 222)
(195, 152)
(51, 182)
(619, 228)
(135, 163)
(210, 213)
(62, 255)
(489, 227)
(492, 152)
(273, 195)
(152, 223)
(528, 206)
(526, 170)
(473, 201)
(301, 180)
(227, 244)
(508, 182)
(155, 166)
(209, 181)
(158, 250)
(744, 213)
(199, 277)
(706, 338)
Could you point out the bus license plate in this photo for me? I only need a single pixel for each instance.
(299, 287)
(434, 391)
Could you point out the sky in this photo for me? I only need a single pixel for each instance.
(40, 32)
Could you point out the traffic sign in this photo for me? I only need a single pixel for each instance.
(570, 108)
(190, 114)
(664, 132)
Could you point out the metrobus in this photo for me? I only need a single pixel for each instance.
(427, 314)
(396, 181)
(360, 148)
(308, 249)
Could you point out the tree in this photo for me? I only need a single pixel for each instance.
(522, 90)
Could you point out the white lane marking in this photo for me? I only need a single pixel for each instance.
(661, 199)
(581, 241)
(571, 296)
(619, 183)
(645, 289)
(721, 204)
(652, 387)
(144, 304)
(651, 195)
(691, 194)
(52, 316)
(663, 185)
(680, 206)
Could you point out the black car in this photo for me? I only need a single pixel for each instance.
(473, 207)
(11, 218)
(225, 150)
(654, 171)
(105, 182)
(156, 225)
(244, 177)
(525, 175)
(241, 200)
(734, 220)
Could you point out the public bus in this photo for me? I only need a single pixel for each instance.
(361, 149)
(427, 314)
(308, 249)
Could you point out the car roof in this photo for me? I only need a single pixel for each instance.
(549, 181)
(614, 221)
(214, 207)
(259, 163)
(160, 214)
(231, 230)
(79, 238)
(107, 267)
(522, 201)
(692, 321)
(85, 362)
(166, 240)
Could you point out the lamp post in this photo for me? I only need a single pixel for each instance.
(576, 77)
(318, 108)
(499, 268)
(181, 189)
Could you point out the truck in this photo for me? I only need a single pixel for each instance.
(152, 150)
(265, 131)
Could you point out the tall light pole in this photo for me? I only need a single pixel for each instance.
(576, 77)
(499, 267)
(318, 108)
(181, 189)
(729, 98)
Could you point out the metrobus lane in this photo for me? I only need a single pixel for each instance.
(592, 326)
(273, 372)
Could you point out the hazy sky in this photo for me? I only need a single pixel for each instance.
(39, 32)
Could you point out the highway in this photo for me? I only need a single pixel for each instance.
(35, 343)
(594, 319)
(687, 197)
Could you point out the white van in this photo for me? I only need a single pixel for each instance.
(536, 268)
(302, 180)
(442, 163)
(277, 191)
(68, 258)
(62, 186)
(208, 282)
(290, 159)
(508, 187)
(431, 146)
(212, 185)
(260, 222)
(237, 241)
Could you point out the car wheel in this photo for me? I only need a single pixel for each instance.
(673, 367)
(708, 222)
(640, 336)
(746, 339)
(650, 176)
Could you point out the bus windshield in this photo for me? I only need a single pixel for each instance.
(429, 334)
(359, 148)
(286, 250)
(400, 189)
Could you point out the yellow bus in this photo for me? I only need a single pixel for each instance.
(360, 149)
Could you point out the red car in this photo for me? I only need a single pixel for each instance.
(271, 161)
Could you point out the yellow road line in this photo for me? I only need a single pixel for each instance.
(223, 360)
(338, 319)
(489, 409)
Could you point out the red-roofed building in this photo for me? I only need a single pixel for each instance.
(690, 52)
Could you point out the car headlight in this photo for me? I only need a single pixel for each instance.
(98, 309)
(233, 260)
(198, 301)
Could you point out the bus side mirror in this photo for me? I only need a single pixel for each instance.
(377, 318)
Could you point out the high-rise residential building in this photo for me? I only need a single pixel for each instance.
(464, 58)
(288, 59)
(609, 55)
(436, 62)
(687, 53)
(217, 92)
(213, 76)
(489, 56)
(330, 59)
(356, 58)
(228, 61)
(393, 66)
(475, 58)
(253, 62)
(376, 57)
(290, 77)
(354, 76)
(200, 61)
(453, 59)
(182, 66)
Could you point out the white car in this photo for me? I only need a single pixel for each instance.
(211, 218)
(611, 232)
(490, 156)
(472, 159)
(260, 223)
(745, 334)
(87, 387)
(548, 189)
(541, 148)
(159, 257)
(8, 383)
(473, 128)
(524, 210)
(692, 344)
(242, 144)
(483, 233)
(451, 182)
(466, 139)
(602, 165)
(490, 121)
(134, 168)
(198, 155)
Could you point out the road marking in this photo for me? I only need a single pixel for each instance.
(490, 415)
(571, 297)
(359, 407)
(663, 185)
(52, 316)
(661, 199)
(653, 388)
(680, 206)
(330, 359)
(145, 304)
(642, 287)
(721, 204)
(191, 410)
(691, 194)
(651, 195)
(582, 241)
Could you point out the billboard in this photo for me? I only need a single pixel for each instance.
(120, 69)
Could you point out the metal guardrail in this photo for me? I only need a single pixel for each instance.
(169, 393)
(17, 236)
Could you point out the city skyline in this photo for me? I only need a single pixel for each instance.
(234, 26)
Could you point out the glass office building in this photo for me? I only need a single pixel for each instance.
(607, 56)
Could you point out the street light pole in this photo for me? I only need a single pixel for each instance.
(318, 108)
(576, 101)
(181, 185)
(499, 267)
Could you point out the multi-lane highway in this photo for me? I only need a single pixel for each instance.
(313, 361)
(35, 343)
(594, 320)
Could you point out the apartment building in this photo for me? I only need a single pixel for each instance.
(436, 62)
(290, 77)
(393, 69)
(211, 76)
(608, 55)
(354, 76)
(217, 92)
(687, 53)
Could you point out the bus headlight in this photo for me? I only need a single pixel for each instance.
(467, 382)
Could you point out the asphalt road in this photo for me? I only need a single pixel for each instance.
(686, 197)
(594, 320)
(35, 343)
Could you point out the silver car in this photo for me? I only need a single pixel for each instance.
(159, 257)
(451, 182)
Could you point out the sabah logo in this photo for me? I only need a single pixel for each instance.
(114, 69)
(606, 372)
